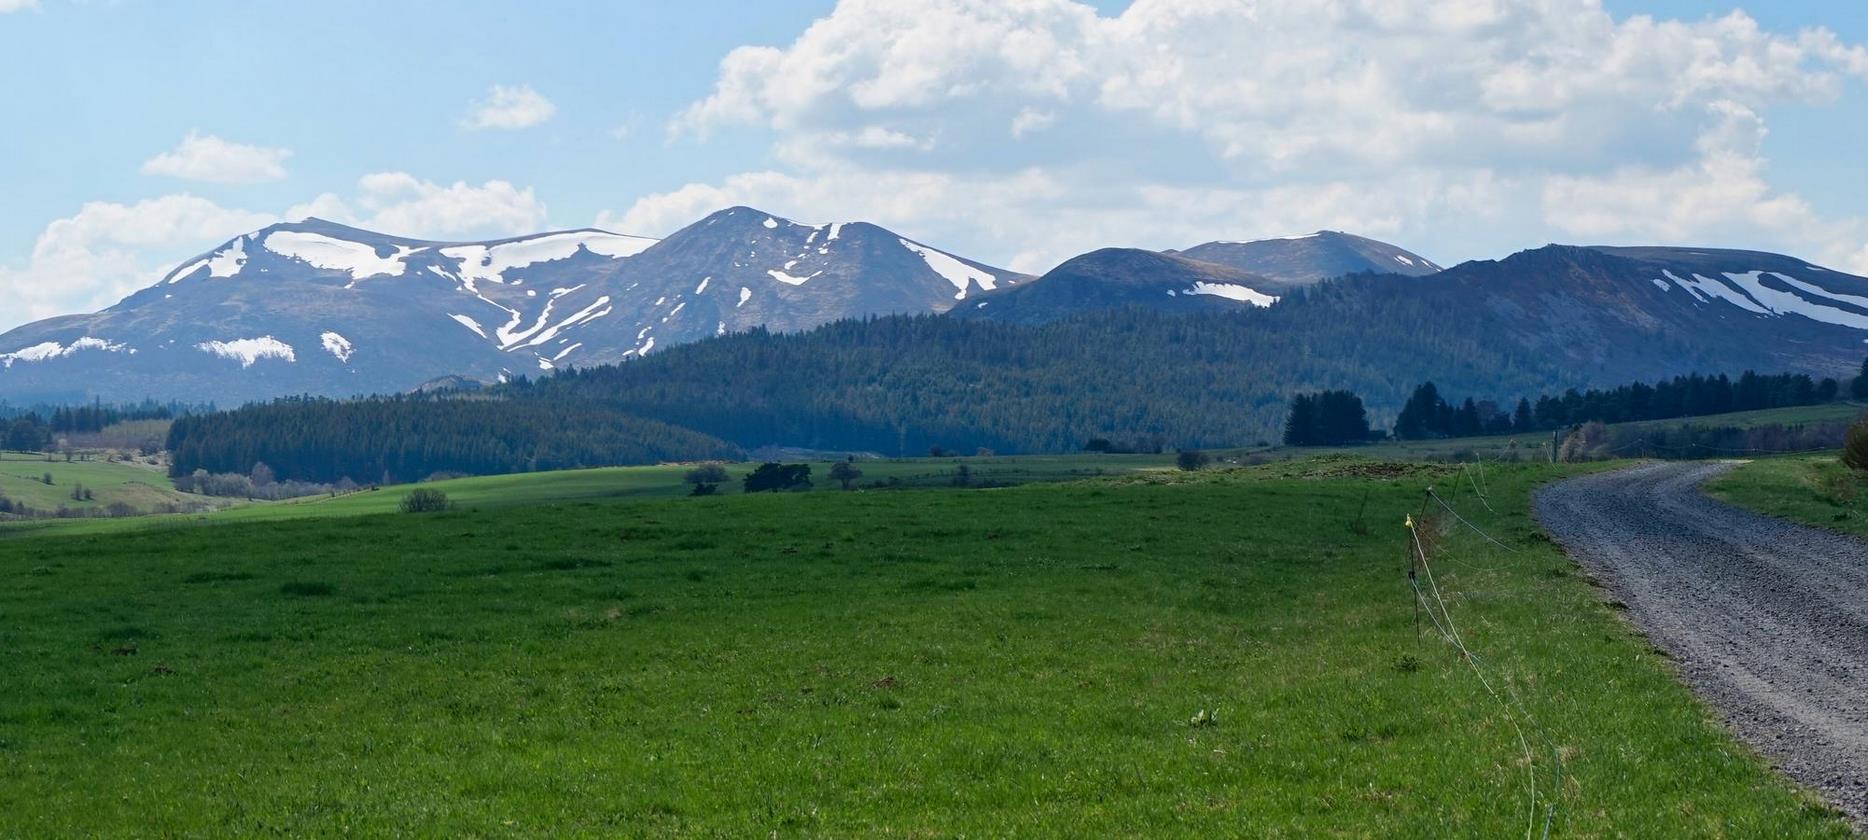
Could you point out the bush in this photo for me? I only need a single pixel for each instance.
(1855, 447)
(771, 477)
(1191, 460)
(425, 500)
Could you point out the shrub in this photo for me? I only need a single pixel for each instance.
(1191, 459)
(425, 500)
(1855, 447)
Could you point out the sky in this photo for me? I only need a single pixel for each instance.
(138, 133)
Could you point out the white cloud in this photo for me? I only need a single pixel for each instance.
(205, 157)
(107, 250)
(512, 107)
(17, 5)
(1476, 125)
(401, 204)
(1031, 119)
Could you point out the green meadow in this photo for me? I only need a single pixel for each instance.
(1812, 489)
(1234, 652)
(141, 486)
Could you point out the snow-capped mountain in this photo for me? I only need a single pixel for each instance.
(741, 268)
(320, 308)
(1297, 260)
(1116, 277)
(1636, 313)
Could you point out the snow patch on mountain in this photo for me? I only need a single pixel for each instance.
(595, 310)
(489, 263)
(788, 279)
(228, 261)
(946, 265)
(1789, 303)
(745, 294)
(337, 345)
(359, 260)
(248, 351)
(48, 350)
(471, 324)
(1232, 291)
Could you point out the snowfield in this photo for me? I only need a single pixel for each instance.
(359, 260)
(248, 351)
(1230, 291)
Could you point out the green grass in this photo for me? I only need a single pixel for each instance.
(1010, 662)
(1812, 489)
(618, 482)
(141, 486)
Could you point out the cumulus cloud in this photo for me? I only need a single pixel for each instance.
(106, 250)
(504, 107)
(205, 157)
(1471, 124)
(402, 204)
(17, 5)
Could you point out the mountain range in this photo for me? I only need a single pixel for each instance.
(315, 307)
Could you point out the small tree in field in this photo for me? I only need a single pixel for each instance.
(706, 479)
(845, 472)
(1191, 460)
(425, 500)
(1855, 447)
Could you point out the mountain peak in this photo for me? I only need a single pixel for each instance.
(1312, 257)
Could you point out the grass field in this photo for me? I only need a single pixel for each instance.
(1813, 489)
(1023, 661)
(140, 486)
(615, 483)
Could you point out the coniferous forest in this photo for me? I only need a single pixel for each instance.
(410, 438)
(907, 384)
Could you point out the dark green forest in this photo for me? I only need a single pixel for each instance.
(1429, 415)
(903, 385)
(410, 438)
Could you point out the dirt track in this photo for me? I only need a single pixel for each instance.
(1768, 621)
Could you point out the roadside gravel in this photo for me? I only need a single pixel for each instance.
(1766, 620)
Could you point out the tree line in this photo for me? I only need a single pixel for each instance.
(1427, 414)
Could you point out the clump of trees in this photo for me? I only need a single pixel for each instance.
(773, 478)
(1191, 460)
(27, 433)
(1329, 418)
(258, 483)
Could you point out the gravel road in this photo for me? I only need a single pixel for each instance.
(1767, 621)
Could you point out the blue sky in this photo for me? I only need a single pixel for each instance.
(1015, 155)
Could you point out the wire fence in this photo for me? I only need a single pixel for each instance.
(1430, 600)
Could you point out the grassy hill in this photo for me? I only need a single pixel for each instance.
(141, 486)
(1022, 661)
